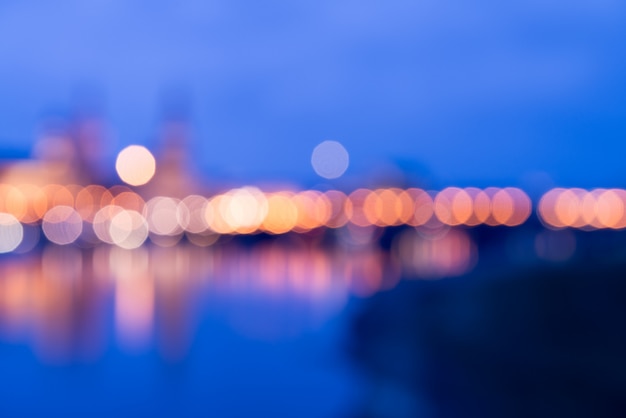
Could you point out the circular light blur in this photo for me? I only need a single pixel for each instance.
(330, 159)
(13, 201)
(568, 207)
(480, 206)
(386, 207)
(422, 207)
(213, 216)
(336, 204)
(522, 206)
(282, 214)
(244, 209)
(356, 209)
(453, 206)
(502, 207)
(11, 233)
(90, 199)
(135, 165)
(129, 200)
(547, 208)
(162, 214)
(62, 225)
(102, 222)
(313, 210)
(616, 218)
(128, 229)
(194, 206)
(34, 197)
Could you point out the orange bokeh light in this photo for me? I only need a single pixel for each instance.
(578, 208)
(314, 210)
(356, 210)
(422, 207)
(91, 199)
(453, 206)
(282, 213)
(338, 216)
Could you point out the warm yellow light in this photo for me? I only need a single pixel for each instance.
(282, 213)
(313, 208)
(135, 165)
(213, 215)
(244, 209)
(13, 201)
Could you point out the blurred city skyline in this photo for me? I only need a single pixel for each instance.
(478, 94)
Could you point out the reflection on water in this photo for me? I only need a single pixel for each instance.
(70, 303)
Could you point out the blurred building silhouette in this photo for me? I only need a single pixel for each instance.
(71, 150)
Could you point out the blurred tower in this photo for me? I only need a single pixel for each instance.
(54, 154)
(88, 138)
(70, 147)
(174, 175)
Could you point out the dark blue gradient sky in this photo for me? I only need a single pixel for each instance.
(473, 92)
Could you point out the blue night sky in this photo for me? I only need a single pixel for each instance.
(474, 92)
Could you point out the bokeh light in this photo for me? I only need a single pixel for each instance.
(13, 201)
(337, 201)
(579, 208)
(11, 233)
(330, 159)
(244, 209)
(90, 200)
(313, 208)
(385, 207)
(213, 216)
(102, 222)
(282, 213)
(611, 209)
(135, 165)
(453, 206)
(128, 229)
(423, 207)
(163, 215)
(511, 206)
(357, 210)
(195, 221)
(62, 225)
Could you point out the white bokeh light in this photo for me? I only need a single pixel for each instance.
(11, 233)
(128, 229)
(62, 225)
(330, 159)
(135, 165)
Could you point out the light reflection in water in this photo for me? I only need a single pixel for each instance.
(69, 303)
